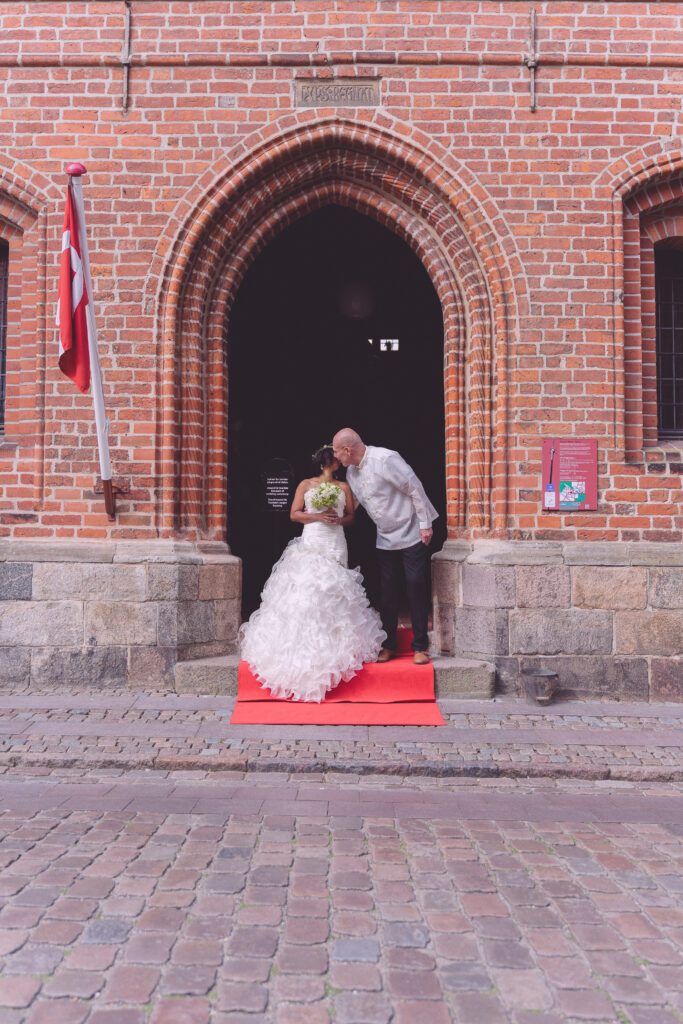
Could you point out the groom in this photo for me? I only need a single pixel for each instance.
(389, 491)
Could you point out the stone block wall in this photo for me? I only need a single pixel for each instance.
(104, 614)
(608, 618)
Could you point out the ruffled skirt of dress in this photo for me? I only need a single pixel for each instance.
(315, 625)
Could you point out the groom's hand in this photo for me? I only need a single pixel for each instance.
(426, 536)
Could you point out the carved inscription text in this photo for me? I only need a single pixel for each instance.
(359, 92)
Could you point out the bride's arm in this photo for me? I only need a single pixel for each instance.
(297, 512)
(349, 516)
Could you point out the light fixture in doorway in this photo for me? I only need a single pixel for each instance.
(356, 300)
(386, 344)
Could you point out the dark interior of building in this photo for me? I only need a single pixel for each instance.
(336, 324)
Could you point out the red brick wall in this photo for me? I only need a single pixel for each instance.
(561, 206)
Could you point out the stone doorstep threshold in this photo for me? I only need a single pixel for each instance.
(463, 678)
(305, 764)
(494, 709)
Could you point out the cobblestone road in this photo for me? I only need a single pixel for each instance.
(180, 899)
(501, 737)
(226, 895)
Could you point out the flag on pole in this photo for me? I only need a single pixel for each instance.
(72, 319)
(78, 355)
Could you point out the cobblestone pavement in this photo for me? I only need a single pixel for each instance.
(194, 897)
(502, 737)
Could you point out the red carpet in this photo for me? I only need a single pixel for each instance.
(395, 693)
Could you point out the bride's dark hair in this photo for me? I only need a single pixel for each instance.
(323, 457)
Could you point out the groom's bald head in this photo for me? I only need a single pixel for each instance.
(348, 446)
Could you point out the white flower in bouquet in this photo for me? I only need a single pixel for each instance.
(325, 496)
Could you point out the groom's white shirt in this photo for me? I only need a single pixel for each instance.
(393, 497)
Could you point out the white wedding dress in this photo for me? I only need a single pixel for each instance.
(315, 625)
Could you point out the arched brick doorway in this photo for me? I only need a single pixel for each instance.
(336, 322)
(404, 188)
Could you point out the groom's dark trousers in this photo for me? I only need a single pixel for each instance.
(413, 564)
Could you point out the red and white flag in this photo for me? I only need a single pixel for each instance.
(72, 315)
(78, 357)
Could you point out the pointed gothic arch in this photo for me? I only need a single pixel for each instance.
(27, 202)
(409, 191)
(641, 184)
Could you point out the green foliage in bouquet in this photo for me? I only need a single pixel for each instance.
(325, 496)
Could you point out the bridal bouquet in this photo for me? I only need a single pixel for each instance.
(325, 496)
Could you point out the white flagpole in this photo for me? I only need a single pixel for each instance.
(75, 171)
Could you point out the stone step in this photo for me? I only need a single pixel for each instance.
(455, 677)
(464, 677)
(214, 676)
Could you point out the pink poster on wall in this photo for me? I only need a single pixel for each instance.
(570, 474)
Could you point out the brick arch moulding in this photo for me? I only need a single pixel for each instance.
(412, 193)
(645, 186)
(26, 199)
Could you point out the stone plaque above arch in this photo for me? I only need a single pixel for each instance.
(337, 92)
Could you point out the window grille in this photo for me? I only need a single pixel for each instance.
(669, 294)
(4, 270)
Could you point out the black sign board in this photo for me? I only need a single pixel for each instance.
(278, 485)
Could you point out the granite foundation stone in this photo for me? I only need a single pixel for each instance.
(58, 581)
(609, 587)
(16, 581)
(110, 622)
(485, 586)
(98, 667)
(667, 679)
(15, 666)
(651, 631)
(542, 586)
(38, 623)
(607, 617)
(112, 614)
(481, 632)
(560, 631)
(666, 588)
(597, 676)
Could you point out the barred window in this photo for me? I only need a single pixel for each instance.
(4, 269)
(669, 295)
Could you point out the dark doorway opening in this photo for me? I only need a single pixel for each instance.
(336, 324)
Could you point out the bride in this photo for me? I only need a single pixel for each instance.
(315, 626)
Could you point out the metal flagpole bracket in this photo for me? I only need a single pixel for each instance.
(109, 499)
(109, 489)
(126, 57)
(531, 60)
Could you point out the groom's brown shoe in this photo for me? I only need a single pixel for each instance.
(421, 658)
(386, 654)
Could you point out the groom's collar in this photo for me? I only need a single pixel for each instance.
(365, 455)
